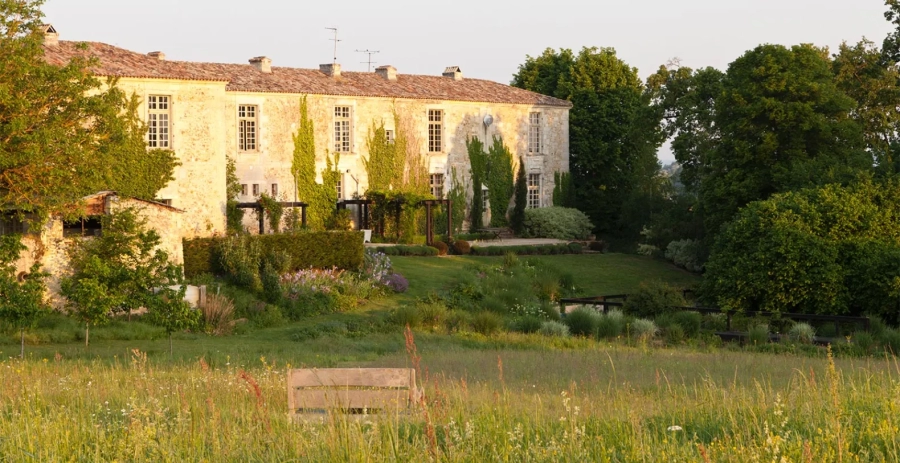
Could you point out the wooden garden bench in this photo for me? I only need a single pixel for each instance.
(498, 233)
(356, 391)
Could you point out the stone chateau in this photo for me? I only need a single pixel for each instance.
(209, 112)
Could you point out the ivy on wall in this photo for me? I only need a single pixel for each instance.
(493, 169)
(321, 198)
(233, 216)
(499, 181)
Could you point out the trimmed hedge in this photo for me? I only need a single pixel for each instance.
(562, 223)
(524, 250)
(402, 250)
(306, 249)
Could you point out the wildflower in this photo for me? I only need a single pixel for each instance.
(674, 428)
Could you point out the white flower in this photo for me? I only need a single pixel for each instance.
(674, 428)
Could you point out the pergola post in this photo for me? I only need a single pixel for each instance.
(261, 213)
(429, 231)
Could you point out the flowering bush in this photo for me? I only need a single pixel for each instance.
(396, 282)
(377, 265)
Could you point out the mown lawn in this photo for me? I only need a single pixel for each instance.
(595, 274)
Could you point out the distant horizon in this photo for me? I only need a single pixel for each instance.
(486, 40)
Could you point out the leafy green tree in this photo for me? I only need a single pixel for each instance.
(517, 220)
(169, 310)
(118, 271)
(861, 73)
(478, 162)
(890, 50)
(614, 131)
(21, 302)
(64, 134)
(499, 181)
(782, 124)
(829, 250)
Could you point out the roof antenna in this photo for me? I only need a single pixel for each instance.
(335, 39)
(369, 62)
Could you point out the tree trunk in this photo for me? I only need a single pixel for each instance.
(87, 333)
(22, 353)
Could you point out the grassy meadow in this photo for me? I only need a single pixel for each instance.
(503, 397)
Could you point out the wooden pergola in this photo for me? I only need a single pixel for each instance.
(429, 218)
(260, 212)
(362, 222)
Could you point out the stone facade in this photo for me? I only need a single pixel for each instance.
(205, 123)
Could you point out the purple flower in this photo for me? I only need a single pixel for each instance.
(396, 282)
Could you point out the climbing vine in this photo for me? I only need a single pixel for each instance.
(320, 198)
(381, 165)
(272, 210)
(233, 216)
(493, 169)
(499, 181)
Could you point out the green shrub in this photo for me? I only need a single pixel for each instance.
(611, 325)
(685, 254)
(758, 335)
(269, 317)
(407, 316)
(644, 328)
(432, 313)
(546, 286)
(653, 299)
(527, 324)
(462, 247)
(510, 260)
(408, 250)
(689, 321)
(343, 250)
(674, 334)
(582, 321)
(486, 323)
(557, 222)
(890, 340)
(524, 250)
(457, 320)
(554, 329)
(803, 333)
(864, 340)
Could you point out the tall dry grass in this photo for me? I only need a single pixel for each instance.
(478, 406)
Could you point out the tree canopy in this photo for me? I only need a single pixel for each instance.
(64, 133)
(614, 132)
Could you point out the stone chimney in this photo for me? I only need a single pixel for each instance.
(453, 72)
(331, 70)
(262, 64)
(158, 55)
(51, 37)
(387, 72)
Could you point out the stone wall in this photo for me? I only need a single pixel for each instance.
(198, 140)
(279, 116)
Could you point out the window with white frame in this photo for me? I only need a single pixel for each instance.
(274, 190)
(159, 121)
(534, 191)
(435, 131)
(243, 189)
(256, 189)
(339, 187)
(485, 200)
(342, 129)
(437, 185)
(247, 123)
(534, 133)
(389, 135)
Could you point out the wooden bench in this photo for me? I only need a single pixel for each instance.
(357, 391)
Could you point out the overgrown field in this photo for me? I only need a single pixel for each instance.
(591, 404)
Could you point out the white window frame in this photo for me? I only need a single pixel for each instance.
(244, 189)
(534, 133)
(343, 129)
(159, 121)
(339, 187)
(485, 200)
(248, 128)
(534, 190)
(389, 135)
(437, 188)
(256, 190)
(274, 190)
(435, 131)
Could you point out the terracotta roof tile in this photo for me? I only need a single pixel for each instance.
(114, 61)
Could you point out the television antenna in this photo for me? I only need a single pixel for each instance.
(335, 40)
(370, 53)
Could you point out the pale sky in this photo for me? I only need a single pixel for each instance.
(488, 39)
